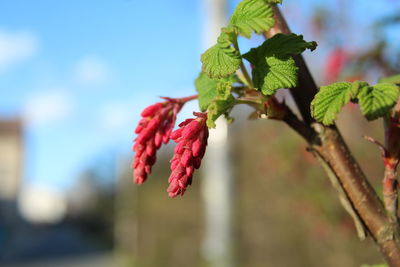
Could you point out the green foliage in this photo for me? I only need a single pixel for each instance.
(208, 89)
(330, 99)
(227, 37)
(218, 108)
(288, 44)
(252, 15)
(392, 79)
(220, 61)
(274, 1)
(223, 58)
(215, 96)
(273, 66)
(222, 103)
(274, 73)
(375, 101)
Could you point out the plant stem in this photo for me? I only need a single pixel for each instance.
(246, 75)
(391, 160)
(247, 79)
(188, 98)
(389, 187)
(332, 149)
(254, 103)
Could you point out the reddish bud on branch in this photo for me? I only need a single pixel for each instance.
(155, 127)
(191, 139)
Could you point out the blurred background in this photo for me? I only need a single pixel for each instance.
(74, 76)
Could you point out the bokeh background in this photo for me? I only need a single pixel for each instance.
(74, 76)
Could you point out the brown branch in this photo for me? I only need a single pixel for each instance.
(364, 199)
(332, 149)
(389, 188)
(389, 182)
(391, 160)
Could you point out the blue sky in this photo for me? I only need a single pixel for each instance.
(83, 70)
(79, 72)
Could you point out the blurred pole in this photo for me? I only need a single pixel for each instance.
(217, 180)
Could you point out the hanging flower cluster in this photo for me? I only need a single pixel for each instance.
(154, 128)
(191, 139)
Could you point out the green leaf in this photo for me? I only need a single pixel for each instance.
(281, 45)
(219, 62)
(252, 15)
(223, 101)
(376, 101)
(227, 37)
(206, 88)
(218, 108)
(392, 79)
(215, 96)
(273, 66)
(224, 87)
(210, 89)
(222, 59)
(274, 1)
(275, 73)
(330, 99)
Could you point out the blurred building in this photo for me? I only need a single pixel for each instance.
(11, 162)
(11, 159)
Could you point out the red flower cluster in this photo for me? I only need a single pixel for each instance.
(154, 128)
(191, 140)
(335, 64)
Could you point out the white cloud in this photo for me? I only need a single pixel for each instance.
(47, 107)
(91, 71)
(116, 116)
(16, 47)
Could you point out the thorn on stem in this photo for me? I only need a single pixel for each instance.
(381, 147)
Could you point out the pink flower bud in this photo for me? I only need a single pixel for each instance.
(196, 163)
(186, 158)
(180, 147)
(173, 189)
(189, 170)
(191, 130)
(191, 140)
(185, 122)
(176, 134)
(174, 163)
(151, 110)
(138, 129)
(153, 129)
(150, 149)
(196, 147)
(158, 140)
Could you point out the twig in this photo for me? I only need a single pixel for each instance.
(332, 149)
(390, 192)
(389, 181)
(376, 142)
